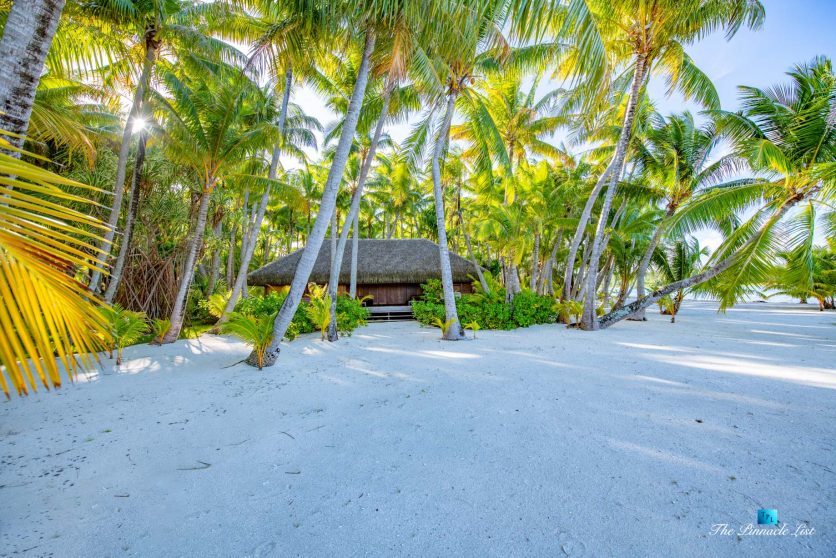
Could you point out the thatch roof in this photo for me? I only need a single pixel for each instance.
(379, 262)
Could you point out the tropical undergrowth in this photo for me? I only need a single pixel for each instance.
(488, 310)
(351, 314)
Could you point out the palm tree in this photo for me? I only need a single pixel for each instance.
(399, 47)
(27, 36)
(329, 198)
(678, 260)
(295, 132)
(646, 36)
(214, 121)
(785, 135)
(675, 157)
(471, 40)
(160, 28)
(46, 312)
(284, 45)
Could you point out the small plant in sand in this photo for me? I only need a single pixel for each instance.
(573, 309)
(319, 307)
(667, 305)
(256, 331)
(126, 327)
(444, 325)
(474, 327)
(159, 327)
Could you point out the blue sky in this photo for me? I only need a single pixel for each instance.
(794, 31)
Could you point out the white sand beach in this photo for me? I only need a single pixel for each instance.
(545, 441)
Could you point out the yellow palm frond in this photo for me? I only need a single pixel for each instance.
(48, 321)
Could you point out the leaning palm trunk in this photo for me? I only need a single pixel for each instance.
(535, 263)
(590, 318)
(645, 263)
(121, 166)
(247, 251)
(326, 208)
(476, 266)
(355, 244)
(710, 273)
(580, 232)
(354, 211)
(250, 239)
(215, 267)
(230, 255)
(546, 278)
(454, 331)
(195, 244)
(27, 36)
(133, 207)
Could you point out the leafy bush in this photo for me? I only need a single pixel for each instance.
(215, 304)
(530, 308)
(350, 313)
(433, 291)
(260, 305)
(427, 312)
(486, 310)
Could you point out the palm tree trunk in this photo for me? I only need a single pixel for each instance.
(195, 244)
(326, 208)
(215, 269)
(455, 331)
(355, 244)
(645, 263)
(245, 226)
(142, 86)
(250, 239)
(546, 276)
(27, 36)
(472, 257)
(580, 232)
(715, 270)
(610, 270)
(577, 287)
(230, 255)
(535, 263)
(133, 206)
(354, 211)
(589, 320)
(247, 251)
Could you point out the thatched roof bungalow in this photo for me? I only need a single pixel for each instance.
(390, 271)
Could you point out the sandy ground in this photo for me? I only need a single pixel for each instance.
(539, 442)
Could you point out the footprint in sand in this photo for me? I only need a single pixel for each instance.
(262, 550)
(569, 545)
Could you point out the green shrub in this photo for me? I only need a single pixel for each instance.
(260, 305)
(350, 313)
(215, 304)
(486, 310)
(427, 312)
(433, 291)
(530, 308)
